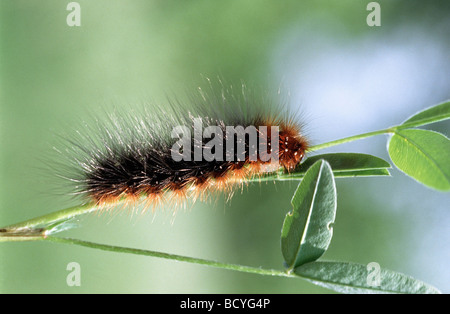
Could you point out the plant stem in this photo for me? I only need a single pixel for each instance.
(37, 228)
(351, 139)
(180, 258)
(55, 217)
(392, 129)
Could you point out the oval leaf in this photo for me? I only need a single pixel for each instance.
(433, 114)
(307, 232)
(344, 165)
(361, 173)
(357, 278)
(423, 155)
(344, 162)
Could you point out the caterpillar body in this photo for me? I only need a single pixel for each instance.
(135, 156)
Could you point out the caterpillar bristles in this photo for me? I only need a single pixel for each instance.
(174, 153)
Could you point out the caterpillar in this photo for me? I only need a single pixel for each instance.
(144, 155)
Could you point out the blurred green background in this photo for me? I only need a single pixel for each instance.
(347, 77)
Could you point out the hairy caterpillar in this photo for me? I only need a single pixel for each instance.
(131, 156)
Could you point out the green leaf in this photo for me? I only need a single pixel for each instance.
(347, 161)
(307, 231)
(356, 278)
(347, 165)
(423, 155)
(433, 114)
(361, 173)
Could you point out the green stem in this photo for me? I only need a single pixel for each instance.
(37, 228)
(351, 139)
(393, 129)
(55, 217)
(180, 258)
(19, 238)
